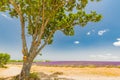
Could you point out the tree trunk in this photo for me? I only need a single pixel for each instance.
(24, 75)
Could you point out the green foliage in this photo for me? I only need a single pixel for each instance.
(47, 60)
(62, 15)
(4, 58)
(43, 18)
(4, 5)
(33, 75)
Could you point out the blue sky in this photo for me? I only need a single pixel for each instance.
(95, 42)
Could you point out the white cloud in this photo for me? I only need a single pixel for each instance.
(76, 42)
(5, 16)
(107, 56)
(88, 33)
(117, 43)
(118, 39)
(101, 32)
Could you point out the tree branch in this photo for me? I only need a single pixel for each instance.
(46, 41)
(44, 24)
(18, 10)
(43, 20)
(38, 35)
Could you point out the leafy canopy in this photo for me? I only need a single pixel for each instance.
(54, 15)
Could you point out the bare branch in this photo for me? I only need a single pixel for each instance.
(41, 47)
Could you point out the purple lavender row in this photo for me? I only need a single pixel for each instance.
(78, 63)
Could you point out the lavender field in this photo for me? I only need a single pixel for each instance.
(79, 63)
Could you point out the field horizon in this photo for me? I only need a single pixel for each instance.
(73, 63)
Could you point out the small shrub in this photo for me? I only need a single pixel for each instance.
(58, 73)
(33, 75)
(15, 77)
(47, 60)
(118, 66)
(4, 58)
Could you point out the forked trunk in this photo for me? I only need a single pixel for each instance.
(24, 75)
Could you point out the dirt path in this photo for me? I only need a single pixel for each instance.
(10, 71)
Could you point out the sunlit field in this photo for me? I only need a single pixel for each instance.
(59, 40)
(65, 72)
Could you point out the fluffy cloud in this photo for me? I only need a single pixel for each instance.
(107, 56)
(76, 42)
(117, 43)
(118, 39)
(5, 16)
(101, 32)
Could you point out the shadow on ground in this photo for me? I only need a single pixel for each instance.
(42, 76)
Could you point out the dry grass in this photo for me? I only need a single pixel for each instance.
(90, 73)
(101, 71)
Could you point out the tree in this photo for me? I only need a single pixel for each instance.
(4, 58)
(42, 19)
